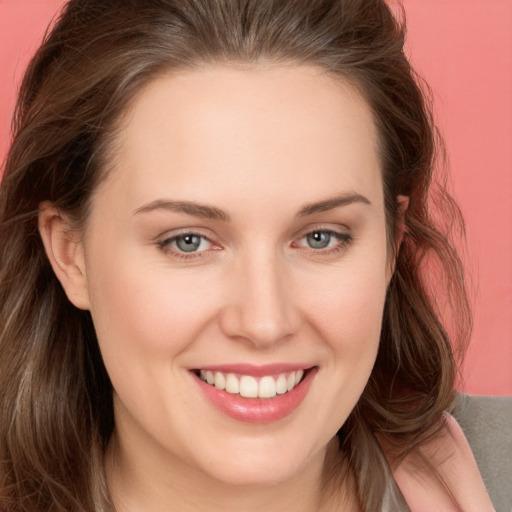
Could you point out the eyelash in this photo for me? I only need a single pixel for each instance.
(166, 246)
(344, 240)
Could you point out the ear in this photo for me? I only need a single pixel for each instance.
(65, 250)
(403, 204)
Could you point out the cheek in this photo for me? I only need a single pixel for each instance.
(354, 336)
(347, 317)
(344, 308)
(143, 312)
(348, 309)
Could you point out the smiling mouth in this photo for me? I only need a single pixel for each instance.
(248, 386)
(255, 394)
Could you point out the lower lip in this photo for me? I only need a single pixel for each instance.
(258, 410)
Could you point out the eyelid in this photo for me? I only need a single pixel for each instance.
(343, 240)
(338, 230)
(165, 241)
(206, 233)
(174, 238)
(341, 237)
(342, 234)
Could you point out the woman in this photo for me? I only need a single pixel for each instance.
(215, 230)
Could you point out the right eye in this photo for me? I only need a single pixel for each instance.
(186, 245)
(190, 243)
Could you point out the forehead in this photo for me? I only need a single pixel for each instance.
(224, 130)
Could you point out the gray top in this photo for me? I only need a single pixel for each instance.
(487, 425)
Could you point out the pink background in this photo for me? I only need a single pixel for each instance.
(464, 50)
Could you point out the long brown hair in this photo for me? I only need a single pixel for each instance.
(55, 394)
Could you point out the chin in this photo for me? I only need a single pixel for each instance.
(260, 465)
(247, 475)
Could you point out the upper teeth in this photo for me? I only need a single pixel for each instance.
(249, 386)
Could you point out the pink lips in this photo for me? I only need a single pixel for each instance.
(257, 410)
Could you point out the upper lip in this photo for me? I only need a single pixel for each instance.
(256, 370)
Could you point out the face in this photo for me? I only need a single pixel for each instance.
(240, 239)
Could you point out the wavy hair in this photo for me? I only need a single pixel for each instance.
(55, 394)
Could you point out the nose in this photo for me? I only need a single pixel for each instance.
(260, 309)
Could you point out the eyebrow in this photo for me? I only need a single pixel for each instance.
(211, 212)
(188, 207)
(330, 204)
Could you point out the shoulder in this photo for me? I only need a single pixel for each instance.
(487, 425)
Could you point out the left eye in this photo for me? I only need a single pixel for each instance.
(323, 239)
(189, 242)
(318, 239)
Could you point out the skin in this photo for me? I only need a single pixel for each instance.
(261, 144)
